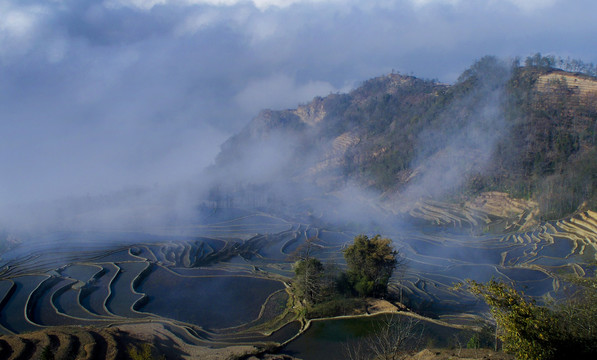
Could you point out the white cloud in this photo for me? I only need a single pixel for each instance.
(16, 23)
(17, 27)
(124, 87)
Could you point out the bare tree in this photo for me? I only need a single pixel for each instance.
(393, 339)
(356, 351)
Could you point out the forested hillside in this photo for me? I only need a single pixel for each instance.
(527, 130)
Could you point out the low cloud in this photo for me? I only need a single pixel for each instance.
(96, 97)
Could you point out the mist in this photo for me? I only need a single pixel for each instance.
(463, 142)
(110, 112)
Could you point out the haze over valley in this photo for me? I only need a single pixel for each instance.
(174, 173)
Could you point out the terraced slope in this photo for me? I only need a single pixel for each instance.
(574, 239)
(490, 211)
(581, 84)
(101, 343)
(205, 291)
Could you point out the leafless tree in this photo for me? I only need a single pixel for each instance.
(393, 339)
(356, 351)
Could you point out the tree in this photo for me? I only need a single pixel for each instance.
(393, 338)
(577, 317)
(536, 332)
(523, 326)
(308, 281)
(541, 61)
(371, 263)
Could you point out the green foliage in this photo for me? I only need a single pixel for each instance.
(545, 151)
(537, 332)
(548, 151)
(577, 317)
(474, 342)
(144, 352)
(323, 291)
(46, 353)
(371, 263)
(526, 329)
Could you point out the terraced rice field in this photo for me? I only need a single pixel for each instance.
(223, 283)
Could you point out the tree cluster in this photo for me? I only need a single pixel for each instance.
(371, 263)
(567, 64)
(326, 291)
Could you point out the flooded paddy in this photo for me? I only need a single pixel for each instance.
(6, 287)
(122, 295)
(93, 295)
(13, 314)
(213, 302)
(66, 301)
(44, 309)
(80, 272)
(215, 282)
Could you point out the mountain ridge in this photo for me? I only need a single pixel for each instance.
(528, 131)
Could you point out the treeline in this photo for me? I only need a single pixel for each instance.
(567, 64)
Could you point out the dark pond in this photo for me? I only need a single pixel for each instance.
(328, 339)
(211, 302)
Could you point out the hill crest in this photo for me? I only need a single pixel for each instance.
(500, 127)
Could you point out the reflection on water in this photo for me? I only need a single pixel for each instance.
(329, 338)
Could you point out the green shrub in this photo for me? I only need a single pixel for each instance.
(46, 353)
(474, 342)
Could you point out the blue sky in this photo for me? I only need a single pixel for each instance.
(97, 96)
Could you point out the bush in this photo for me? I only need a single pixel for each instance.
(144, 352)
(474, 342)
